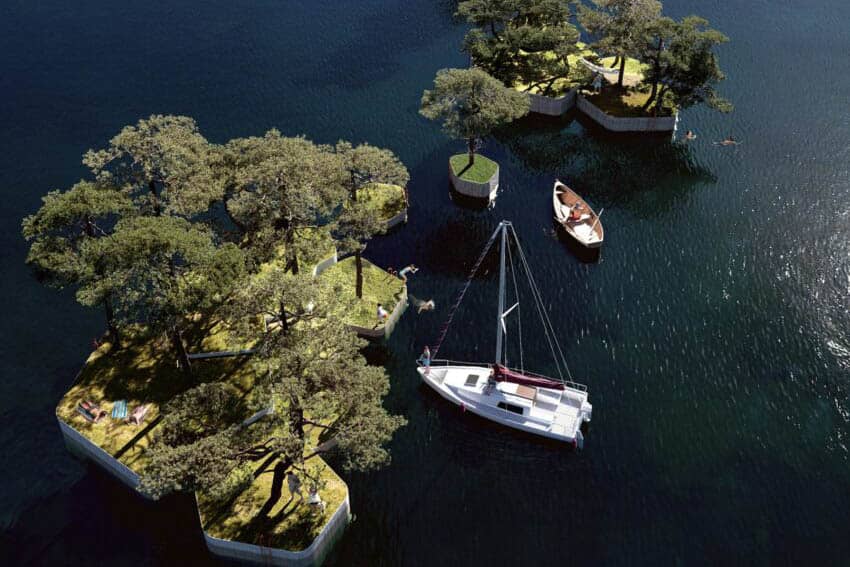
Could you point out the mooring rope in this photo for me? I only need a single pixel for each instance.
(445, 327)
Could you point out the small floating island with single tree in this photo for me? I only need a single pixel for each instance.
(230, 369)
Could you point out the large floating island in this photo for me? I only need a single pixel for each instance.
(254, 520)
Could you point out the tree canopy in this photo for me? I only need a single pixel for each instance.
(682, 60)
(164, 163)
(160, 271)
(282, 185)
(65, 221)
(620, 25)
(471, 104)
(310, 376)
(526, 42)
(365, 164)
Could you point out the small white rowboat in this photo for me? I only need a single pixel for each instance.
(584, 226)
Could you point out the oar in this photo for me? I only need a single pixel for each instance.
(602, 210)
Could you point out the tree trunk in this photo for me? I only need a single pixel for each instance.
(276, 491)
(660, 102)
(352, 193)
(114, 336)
(291, 256)
(157, 208)
(358, 265)
(470, 146)
(284, 324)
(622, 72)
(180, 349)
(88, 227)
(656, 65)
(296, 417)
(242, 228)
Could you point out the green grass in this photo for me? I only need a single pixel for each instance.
(316, 241)
(561, 86)
(624, 103)
(480, 172)
(141, 371)
(388, 200)
(633, 66)
(290, 523)
(378, 287)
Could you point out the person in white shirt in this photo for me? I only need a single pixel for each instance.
(382, 313)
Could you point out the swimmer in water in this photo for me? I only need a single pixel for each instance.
(730, 141)
(422, 305)
(690, 136)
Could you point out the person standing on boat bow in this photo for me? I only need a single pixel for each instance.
(425, 359)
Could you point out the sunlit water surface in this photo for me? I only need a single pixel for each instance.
(713, 332)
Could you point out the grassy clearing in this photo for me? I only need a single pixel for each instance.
(633, 66)
(314, 244)
(378, 287)
(624, 103)
(576, 77)
(388, 200)
(480, 172)
(141, 371)
(288, 523)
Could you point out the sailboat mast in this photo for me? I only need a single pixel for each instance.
(499, 328)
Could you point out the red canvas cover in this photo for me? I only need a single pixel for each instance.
(502, 374)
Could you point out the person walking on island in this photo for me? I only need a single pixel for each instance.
(382, 314)
(425, 359)
(294, 484)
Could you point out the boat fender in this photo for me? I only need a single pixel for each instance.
(463, 407)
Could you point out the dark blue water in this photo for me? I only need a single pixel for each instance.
(713, 333)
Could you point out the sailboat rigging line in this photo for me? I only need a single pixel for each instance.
(460, 295)
(518, 310)
(547, 323)
(538, 303)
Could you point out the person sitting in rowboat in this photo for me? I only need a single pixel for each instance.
(576, 216)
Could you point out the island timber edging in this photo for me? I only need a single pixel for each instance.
(325, 264)
(486, 190)
(386, 329)
(79, 445)
(550, 106)
(627, 124)
(396, 220)
(314, 555)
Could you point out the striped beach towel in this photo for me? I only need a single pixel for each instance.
(119, 409)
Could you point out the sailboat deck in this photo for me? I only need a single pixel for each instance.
(543, 411)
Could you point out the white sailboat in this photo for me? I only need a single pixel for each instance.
(553, 408)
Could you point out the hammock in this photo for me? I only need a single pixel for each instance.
(597, 68)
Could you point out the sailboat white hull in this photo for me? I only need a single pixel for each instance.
(540, 411)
